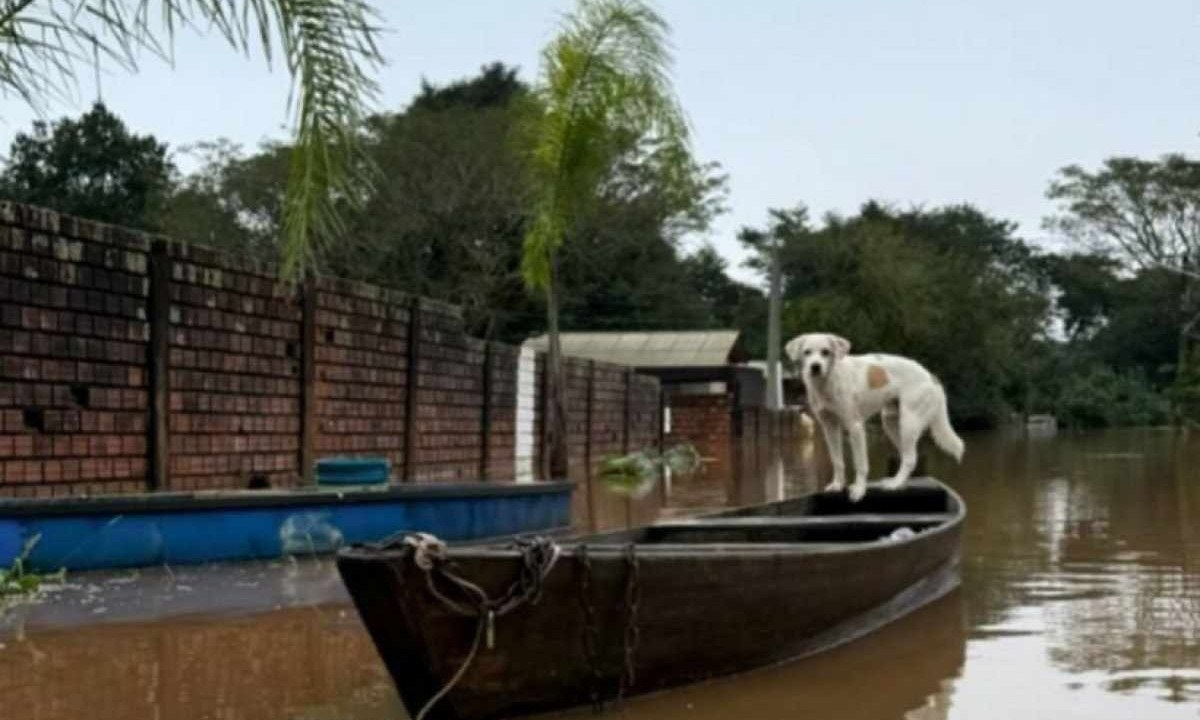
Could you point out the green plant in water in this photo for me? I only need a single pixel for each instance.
(636, 473)
(17, 579)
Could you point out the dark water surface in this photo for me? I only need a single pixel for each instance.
(1080, 599)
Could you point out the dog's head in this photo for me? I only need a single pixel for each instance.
(816, 353)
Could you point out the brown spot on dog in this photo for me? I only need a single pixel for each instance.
(877, 377)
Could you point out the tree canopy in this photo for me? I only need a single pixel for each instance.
(92, 166)
(1097, 335)
(328, 47)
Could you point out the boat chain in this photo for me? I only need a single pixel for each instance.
(633, 633)
(591, 631)
(538, 557)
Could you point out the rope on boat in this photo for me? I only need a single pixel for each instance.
(429, 554)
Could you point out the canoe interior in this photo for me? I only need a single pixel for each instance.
(851, 530)
(821, 518)
(918, 497)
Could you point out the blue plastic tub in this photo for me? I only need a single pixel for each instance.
(353, 471)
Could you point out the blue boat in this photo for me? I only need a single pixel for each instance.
(124, 531)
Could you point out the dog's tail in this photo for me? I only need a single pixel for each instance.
(942, 433)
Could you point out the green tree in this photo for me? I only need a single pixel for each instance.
(605, 85)
(93, 167)
(1147, 213)
(1088, 287)
(950, 286)
(232, 202)
(728, 303)
(328, 47)
(451, 220)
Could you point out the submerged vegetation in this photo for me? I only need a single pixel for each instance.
(18, 580)
(635, 474)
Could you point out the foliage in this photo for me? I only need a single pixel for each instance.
(450, 221)
(636, 473)
(1099, 397)
(725, 302)
(1146, 210)
(328, 47)
(951, 287)
(17, 579)
(605, 86)
(1147, 213)
(93, 167)
(604, 89)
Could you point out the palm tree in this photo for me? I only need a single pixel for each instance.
(328, 46)
(604, 87)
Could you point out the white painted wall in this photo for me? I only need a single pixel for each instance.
(526, 406)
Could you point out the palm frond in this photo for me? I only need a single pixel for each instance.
(606, 78)
(328, 46)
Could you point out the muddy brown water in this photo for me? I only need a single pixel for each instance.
(1080, 599)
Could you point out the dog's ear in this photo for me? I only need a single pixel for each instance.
(793, 347)
(841, 346)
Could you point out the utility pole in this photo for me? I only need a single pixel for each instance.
(774, 385)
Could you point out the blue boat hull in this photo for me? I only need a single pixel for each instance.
(121, 532)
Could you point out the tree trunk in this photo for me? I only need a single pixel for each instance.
(1183, 357)
(554, 465)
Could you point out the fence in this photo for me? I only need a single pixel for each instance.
(130, 362)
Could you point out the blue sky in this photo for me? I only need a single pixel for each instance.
(826, 102)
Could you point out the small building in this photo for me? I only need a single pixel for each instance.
(708, 387)
(691, 362)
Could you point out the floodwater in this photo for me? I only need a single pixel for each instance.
(1080, 599)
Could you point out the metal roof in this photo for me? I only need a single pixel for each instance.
(693, 348)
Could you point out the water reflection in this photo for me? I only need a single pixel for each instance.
(1081, 599)
(886, 675)
(298, 663)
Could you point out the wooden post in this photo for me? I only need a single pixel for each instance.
(485, 417)
(544, 440)
(158, 315)
(410, 390)
(736, 427)
(589, 415)
(628, 413)
(660, 434)
(308, 382)
(588, 410)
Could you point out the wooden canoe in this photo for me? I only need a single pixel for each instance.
(636, 611)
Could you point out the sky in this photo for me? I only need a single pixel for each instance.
(828, 103)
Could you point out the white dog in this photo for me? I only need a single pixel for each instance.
(844, 391)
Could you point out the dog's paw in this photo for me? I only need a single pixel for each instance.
(857, 491)
(836, 486)
(892, 483)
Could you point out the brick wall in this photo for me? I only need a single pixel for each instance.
(360, 349)
(130, 362)
(233, 373)
(704, 421)
(73, 337)
(736, 446)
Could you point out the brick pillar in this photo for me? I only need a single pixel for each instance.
(158, 312)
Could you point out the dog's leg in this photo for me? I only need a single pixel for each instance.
(833, 442)
(890, 416)
(911, 428)
(858, 448)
